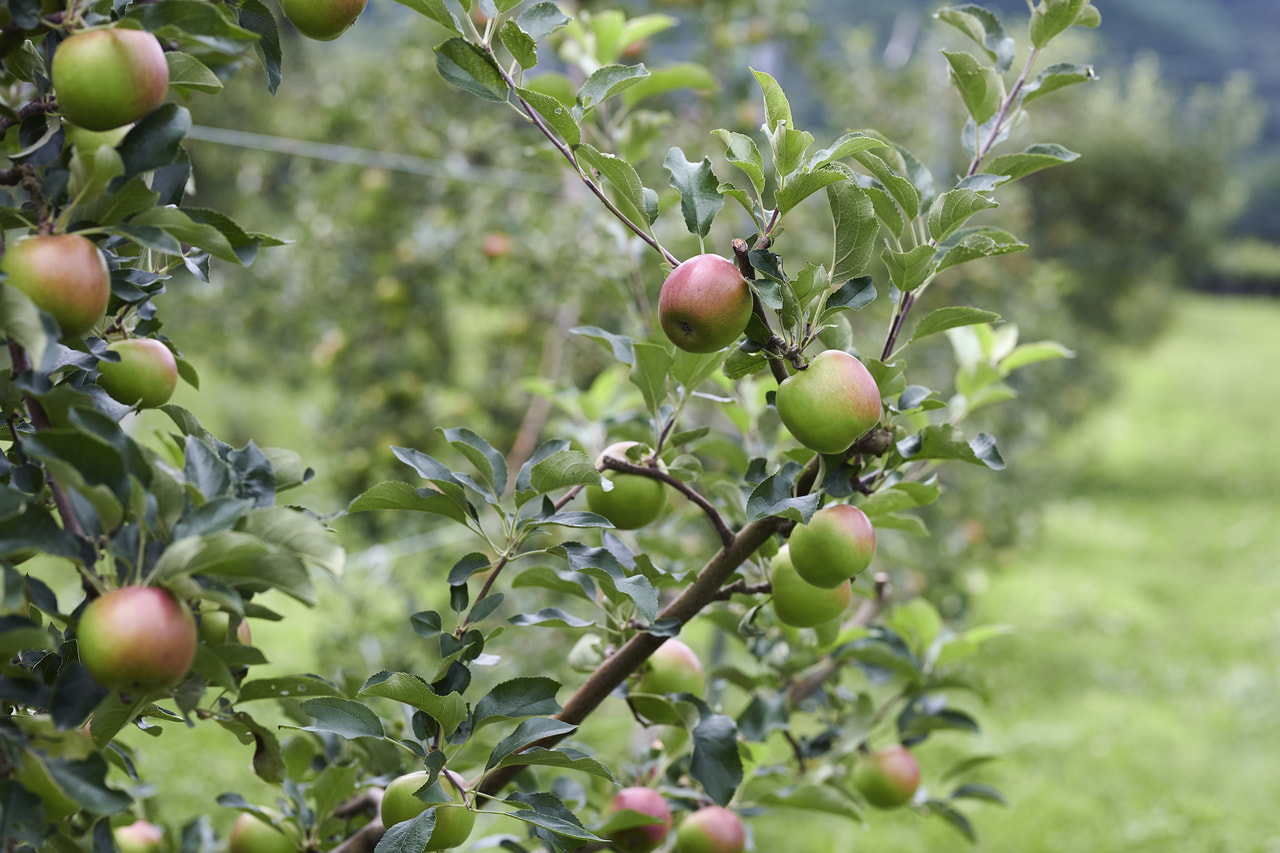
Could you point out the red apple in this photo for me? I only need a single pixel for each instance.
(454, 821)
(139, 837)
(146, 373)
(797, 602)
(830, 404)
(640, 839)
(137, 638)
(714, 829)
(704, 304)
(252, 834)
(673, 668)
(836, 544)
(634, 501)
(323, 20)
(109, 77)
(64, 275)
(888, 777)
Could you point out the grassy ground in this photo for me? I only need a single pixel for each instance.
(1136, 707)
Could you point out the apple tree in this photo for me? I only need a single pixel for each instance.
(755, 448)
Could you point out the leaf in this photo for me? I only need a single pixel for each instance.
(154, 142)
(1026, 354)
(527, 696)
(603, 566)
(951, 317)
(741, 151)
(436, 11)
(557, 115)
(952, 209)
(900, 496)
(849, 144)
(957, 820)
(651, 372)
(1050, 18)
(561, 469)
(1055, 77)
(776, 107)
(983, 27)
(257, 18)
(468, 67)
(548, 812)
(395, 495)
(969, 244)
(855, 226)
(945, 441)
(522, 48)
(188, 72)
(773, 497)
(526, 734)
(342, 717)
(607, 81)
(1033, 159)
(541, 20)
(854, 295)
(286, 686)
(700, 198)
(408, 836)
(671, 78)
(716, 763)
(449, 710)
(909, 270)
(973, 791)
(490, 465)
(903, 192)
(981, 87)
(622, 177)
(563, 759)
(804, 184)
(550, 617)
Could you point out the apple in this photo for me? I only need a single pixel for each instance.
(109, 77)
(91, 140)
(634, 501)
(831, 403)
(495, 243)
(704, 304)
(798, 603)
(323, 20)
(713, 829)
(215, 628)
(139, 837)
(146, 373)
(673, 668)
(640, 839)
(64, 275)
(836, 544)
(888, 777)
(454, 821)
(137, 638)
(252, 834)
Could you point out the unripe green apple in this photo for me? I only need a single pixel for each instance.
(109, 77)
(888, 777)
(713, 829)
(215, 628)
(323, 20)
(830, 404)
(634, 501)
(137, 638)
(704, 304)
(139, 837)
(252, 834)
(454, 821)
(836, 544)
(146, 373)
(673, 668)
(797, 602)
(640, 839)
(64, 275)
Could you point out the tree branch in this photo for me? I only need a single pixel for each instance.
(622, 465)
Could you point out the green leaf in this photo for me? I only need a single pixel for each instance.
(1050, 18)
(557, 116)
(742, 152)
(153, 143)
(449, 711)
(900, 496)
(85, 783)
(298, 533)
(968, 644)
(983, 27)
(177, 224)
(607, 81)
(773, 497)
(1055, 77)
(853, 220)
(490, 465)
(187, 72)
(526, 734)
(563, 468)
(969, 244)
(905, 193)
(973, 791)
(468, 67)
(951, 317)
(548, 812)
(601, 565)
(621, 346)
(563, 759)
(854, 295)
(343, 717)
(886, 210)
(716, 763)
(945, 441)
(807, 797)
(700, 198)
(952, 209)
(671, 78)
(850, 143)
(522, 48)
(541, 20)
(909, 270)
(622, 177)
(527, 696)
(981, 87)
(1031, 353)
(550, 617)
(789, 147)
(436, 11)
(957, 820)
(395, 495)
(651, 373)
(776, 107)
(802, 185)
(286, 686)
(1032, 159)
(256, 18)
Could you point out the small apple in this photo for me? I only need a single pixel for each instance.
(252, 834)
(634, 501)
(215, 629)
(454, 821)
(713, 829)
(322, 20)
(704, 304)
(64, 275)
(137, 638)
(109, 77)
(888, 777)
(495, 243)
(798, 603)
(836, 544)
(139, 837)
(830, 404)
(673, 668)
(146, 373)
(640, 839)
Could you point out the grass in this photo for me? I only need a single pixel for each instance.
(1135, 707)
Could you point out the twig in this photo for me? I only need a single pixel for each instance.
(740, 587)
(622, 465)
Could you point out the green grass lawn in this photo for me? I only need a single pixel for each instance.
(1137, 705)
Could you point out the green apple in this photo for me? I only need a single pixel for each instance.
(798, 603)
(888, 777)
(713, 829)
(836, 544)
(215, 628)
(634, 501)
(137, 638)
(704, 304)
(454, 821)
(323, 20)
(831, 403)
(146, 373)
(673, 668)
(139, 837)
(645, 837)
(89, 141)
(109, 77)
(252, 834)
(64, 275)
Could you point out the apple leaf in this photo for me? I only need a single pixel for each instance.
(449, 710)
(1033, 159)
(742, 152)
(981, 87)
(681, 75)
(490, 465)
(85, 783)
(956, 819)
(1055, 77)
(1050, 18)
(187, 72)
(557, 116)
(607, 81)
(520, 44)
(908, 270)
(560, 469)
(548, 812)
(945, 441)
(287, 686)
(527, 696)
(622, 177)
(550, 617)
(154, 142)
(700, 198)
(952, 209)
(983, 27)
(855, 226)
(804, 184)
(773, 497)
(651, 373)
(343, 717)
(716, 763)
(468, 67)
(969, 244)
(902, 190)
(602, 565)
(563, 759)
(255, 17)
(825, 799)
(951, 317)
(408, 836)
(541, 20)
(526, 734)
